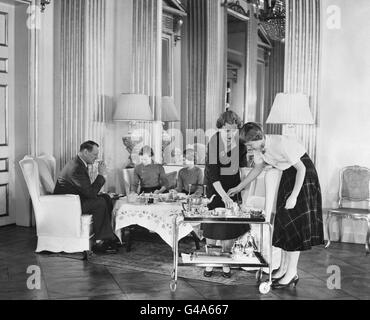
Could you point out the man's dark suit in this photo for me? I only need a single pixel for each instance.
(74, 179)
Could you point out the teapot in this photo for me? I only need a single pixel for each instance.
(237, 250)
(196, 201)
(205, 201)
(250, 244)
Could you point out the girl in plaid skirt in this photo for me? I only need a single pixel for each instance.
(298, 222)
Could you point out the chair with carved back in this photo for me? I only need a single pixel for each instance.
(354, 199)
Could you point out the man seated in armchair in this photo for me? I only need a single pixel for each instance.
(74, 179)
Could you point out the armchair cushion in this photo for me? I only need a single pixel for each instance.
(46, 179)
(59, 215)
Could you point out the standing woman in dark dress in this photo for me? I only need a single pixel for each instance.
(224, 158)
(298, 222)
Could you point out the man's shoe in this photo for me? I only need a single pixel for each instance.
(116, 242)
(99, 247)
(111, 247)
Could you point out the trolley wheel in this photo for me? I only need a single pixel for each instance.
(264, 287)
(259, 275)
(173, 285)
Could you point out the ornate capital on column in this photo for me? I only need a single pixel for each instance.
(43, 4)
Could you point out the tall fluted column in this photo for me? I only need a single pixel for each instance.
(147, 62)
(251, 70)
(194, 46)
(204, 64)
(275, 82)
(302, 60)
(81, 114)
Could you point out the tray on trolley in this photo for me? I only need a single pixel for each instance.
(245, 218)
(204, 259)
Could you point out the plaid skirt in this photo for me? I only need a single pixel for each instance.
(300, 228)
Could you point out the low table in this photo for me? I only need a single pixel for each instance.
(155, 217)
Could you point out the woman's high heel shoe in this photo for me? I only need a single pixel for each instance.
(277, 285)
(277, 279)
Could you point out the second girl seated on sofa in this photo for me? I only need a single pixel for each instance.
(190, 175)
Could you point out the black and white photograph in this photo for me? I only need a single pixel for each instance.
(199, 152)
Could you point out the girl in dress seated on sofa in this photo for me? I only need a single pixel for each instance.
(149, 177)
(190, 175)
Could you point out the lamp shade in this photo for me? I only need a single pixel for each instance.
(133, 107)
(169, 110)
(290, 108)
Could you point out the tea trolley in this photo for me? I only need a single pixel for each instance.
(214, 261)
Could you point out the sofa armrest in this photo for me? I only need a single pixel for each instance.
(59, 215)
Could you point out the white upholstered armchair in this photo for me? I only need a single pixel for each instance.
(60, 225)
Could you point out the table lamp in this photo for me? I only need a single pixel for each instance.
(132, 108)
(169, 110)
(290, 109)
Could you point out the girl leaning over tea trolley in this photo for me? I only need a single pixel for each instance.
(298, 223)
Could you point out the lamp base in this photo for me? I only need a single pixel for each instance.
(290, 130)
(130, 145)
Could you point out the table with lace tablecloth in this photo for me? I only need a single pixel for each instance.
(154, 217)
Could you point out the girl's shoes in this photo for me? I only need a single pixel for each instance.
(226, 274)
(208, 274)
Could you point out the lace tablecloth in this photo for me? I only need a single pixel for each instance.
(154, 217)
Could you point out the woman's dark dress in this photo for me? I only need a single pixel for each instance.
(223, 165)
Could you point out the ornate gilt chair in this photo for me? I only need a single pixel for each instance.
(354, 189)
(60, 225)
